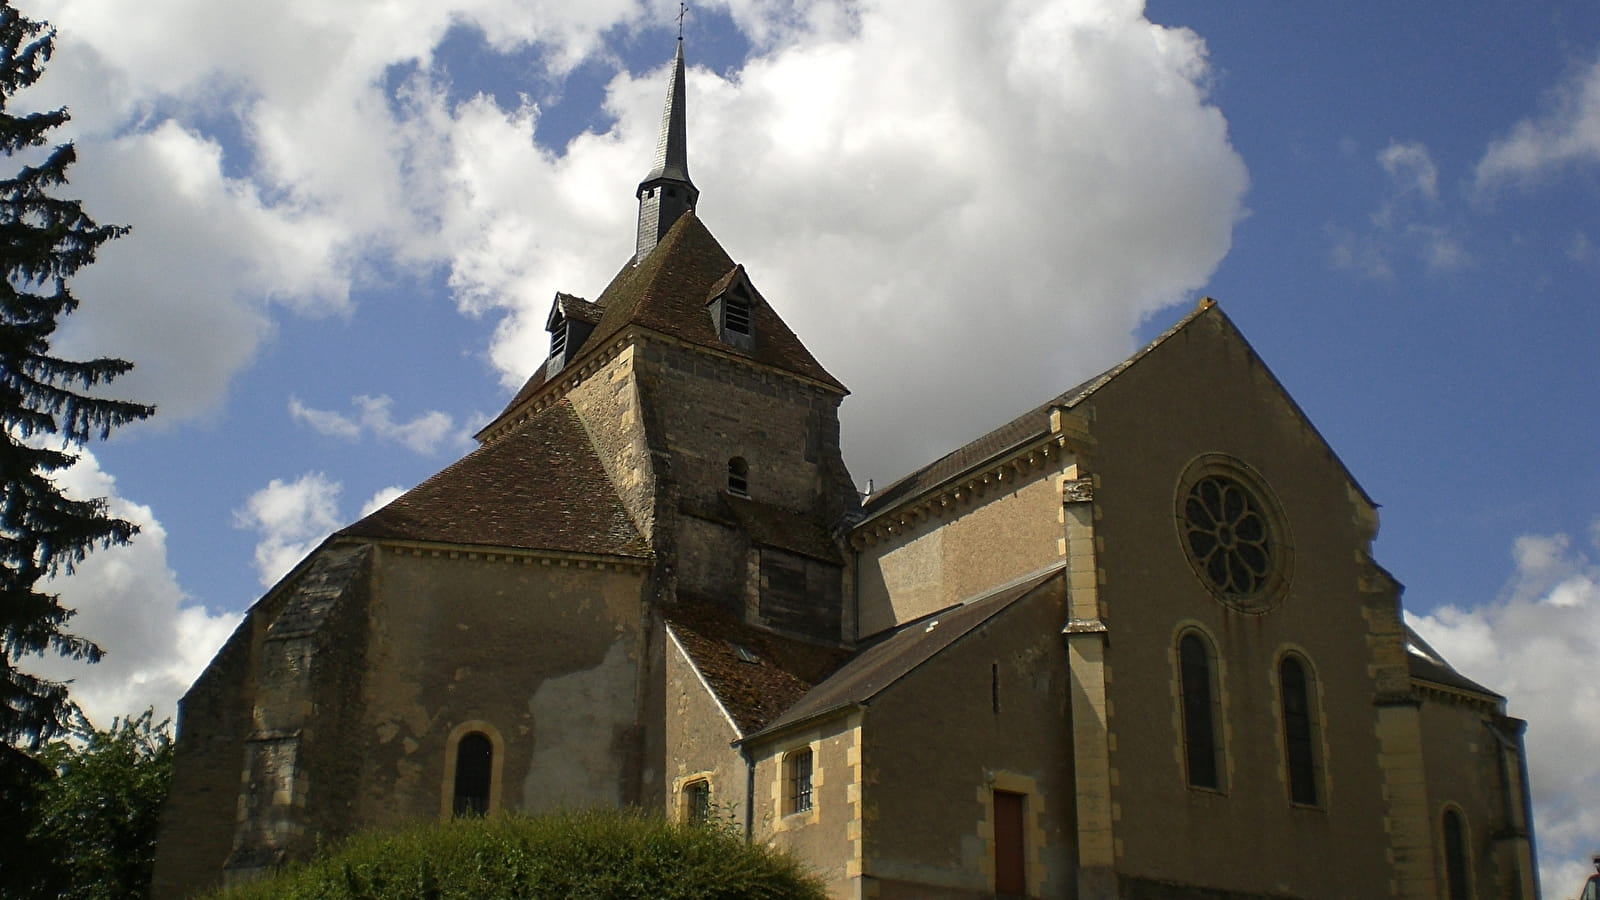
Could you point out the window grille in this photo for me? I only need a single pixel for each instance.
(697, 802)
(799, 764)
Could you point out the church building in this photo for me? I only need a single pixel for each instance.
(1132, 644)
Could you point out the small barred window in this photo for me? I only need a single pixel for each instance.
(697, 802)
(739, 477)
(797, 766)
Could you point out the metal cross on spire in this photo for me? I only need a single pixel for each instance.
(683, 8)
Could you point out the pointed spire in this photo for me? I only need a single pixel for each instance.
(667, 193)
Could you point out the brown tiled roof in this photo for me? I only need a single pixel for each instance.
(575, 308)
(540, 488)
(668, 292)
(753, 693)
(896, 655)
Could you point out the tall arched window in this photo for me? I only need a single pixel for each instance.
(474, 766)
(1299, 739)
(1455, 856)
(1200, 735)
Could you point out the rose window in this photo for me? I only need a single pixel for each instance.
(1233, 533)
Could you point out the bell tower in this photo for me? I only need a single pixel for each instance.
(667, 193)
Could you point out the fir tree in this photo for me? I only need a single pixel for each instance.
(47, 405)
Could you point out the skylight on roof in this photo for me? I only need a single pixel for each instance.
(745, 655)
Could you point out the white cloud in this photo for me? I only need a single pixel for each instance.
(425, 433)
(380, 499)
(898, 212)
(1406, 223)
(1538, 645)
(1566, 133)
(892, 205)
(156, 638)
(291, 518)
(1410, 167)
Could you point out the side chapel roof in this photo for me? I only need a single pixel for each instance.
(541, 487)
(790, 680)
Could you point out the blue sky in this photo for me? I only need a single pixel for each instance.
(348, 227)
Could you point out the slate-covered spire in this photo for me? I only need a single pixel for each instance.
(667, 193)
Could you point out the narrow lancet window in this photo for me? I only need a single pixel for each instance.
(738, 477)
(1299, 740)
(474, 763)
(1199, 722)
(1455, 856)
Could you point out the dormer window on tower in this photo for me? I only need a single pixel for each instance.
(733, 306)
(571, 321)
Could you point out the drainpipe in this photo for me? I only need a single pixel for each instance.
(749, 792)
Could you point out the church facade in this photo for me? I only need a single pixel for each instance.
(1131, 644)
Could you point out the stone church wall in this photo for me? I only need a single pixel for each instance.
(828, 836)
(608, 404)
(942, 560)
(546, 656)
(1459, 740)
(1202, 392)
(990, 712)
(203, 802)
(713, 409)
(698, 743)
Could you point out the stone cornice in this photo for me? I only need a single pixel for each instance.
(959, 492)
(508, 555)
(1432, 690)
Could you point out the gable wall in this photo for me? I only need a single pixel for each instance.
(1200, 392)
(993, 534)
(551, 656)
(698, 743)
(989, 712)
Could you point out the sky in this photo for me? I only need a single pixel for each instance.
(349, 220)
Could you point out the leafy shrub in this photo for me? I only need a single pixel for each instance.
(592, 855)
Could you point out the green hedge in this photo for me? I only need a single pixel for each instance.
(593, 855)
